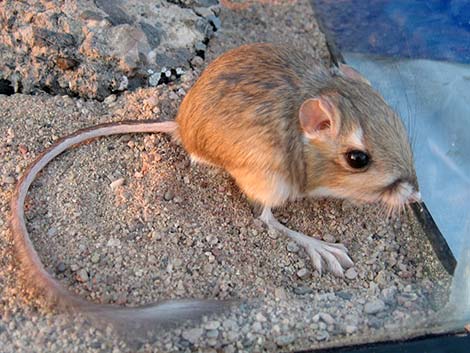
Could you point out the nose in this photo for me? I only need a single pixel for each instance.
(415, 197)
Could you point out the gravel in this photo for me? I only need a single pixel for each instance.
(129, 245)
(374, 306)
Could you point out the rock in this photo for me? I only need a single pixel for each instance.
(303, 273)
(284, 340)
(350, 273)
(110, 99)
(66, 63)
(374, 307)
(94, 48)
(280, 293)
(212, 325)
(9, 179)
(192, 335)
(203, 11)
(229, 349)
(212, 334)
(60, 267)
(82, 275)
(200, 47)
(292, 246)
(350, 329)
(95, 258)
(197, 61)
(303, 290)
(329, 238)
(117, 183)
(113, 242)
(212, 239)
(215, 21)
(230, 324)
(51, 232)
(375, 322)
(322, 335)
(257, 327)
(327, 318)
(389, 294)
(154, 79)
(344, 295)
(261, 318)
(168, 195)
(155, 235)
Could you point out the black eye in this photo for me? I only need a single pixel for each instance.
(357, 159)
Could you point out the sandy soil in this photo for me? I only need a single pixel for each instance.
(176, 230)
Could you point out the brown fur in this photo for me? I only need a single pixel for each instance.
(242, 115)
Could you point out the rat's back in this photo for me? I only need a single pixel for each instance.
(242, 115)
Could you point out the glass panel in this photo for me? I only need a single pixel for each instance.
(400, 47)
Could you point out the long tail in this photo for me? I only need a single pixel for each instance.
(160, 314)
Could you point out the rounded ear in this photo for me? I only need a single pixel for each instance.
(351, 73)
(318, 118)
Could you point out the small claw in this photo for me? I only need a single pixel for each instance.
(341, 254)
(316, 259)
(346, 261)
(333, 264)
(339, 246)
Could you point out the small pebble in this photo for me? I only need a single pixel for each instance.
(280, 293)
(179, 71)
(178, 199)
(200, 46)
(193, 335)
(261, 318)
(344, 295)
(212, 325)
(284, 340)
(292, 247)
(23, 149)
(82, 275)
(168, 195)
(350, 273)
(374, 306)
(389, 294)
(110, 99)
(154, 235)
(350, 329)
(303, 290)
(212, 334)
(322, 335)
(329, 238)
(303, 273)
(327, 318)
(9, 180)
(60, 267)
(215, 22)
(257, 327)
(95, 258)
(272, 234)
(197, 61)
(116, 183)
(113, 242)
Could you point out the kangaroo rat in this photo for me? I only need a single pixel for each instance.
(284, 126)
